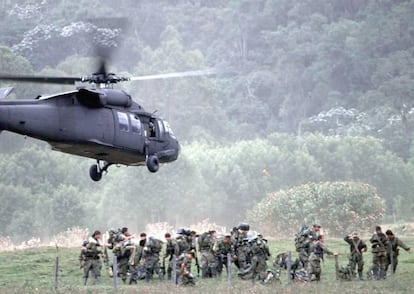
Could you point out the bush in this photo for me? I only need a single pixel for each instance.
(340, 207)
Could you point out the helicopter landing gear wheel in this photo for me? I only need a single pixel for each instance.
(96, 170)
(153, 164)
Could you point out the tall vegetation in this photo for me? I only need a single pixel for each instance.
(339, 207)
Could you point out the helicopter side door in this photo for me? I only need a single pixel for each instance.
(128, 131)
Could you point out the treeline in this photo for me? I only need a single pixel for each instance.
(44, 192)
(306, 91)
(336, 67)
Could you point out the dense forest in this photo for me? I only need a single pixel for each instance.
(305, 91)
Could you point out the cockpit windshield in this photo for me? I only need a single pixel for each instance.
(168, 129)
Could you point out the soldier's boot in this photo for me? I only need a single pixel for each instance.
(360, 275)
(85, 280)
(98, 279)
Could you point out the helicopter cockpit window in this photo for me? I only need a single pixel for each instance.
(135, 124)
(123, 121)
(168, 129)
(160, 126)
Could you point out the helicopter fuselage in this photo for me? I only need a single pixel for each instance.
(103, 124)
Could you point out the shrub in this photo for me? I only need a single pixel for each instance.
(340, 207)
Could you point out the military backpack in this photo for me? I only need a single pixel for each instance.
(155, 245)
(205, 241)
(114, 237)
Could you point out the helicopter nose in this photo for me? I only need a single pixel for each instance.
(171, 150)
(177, 148)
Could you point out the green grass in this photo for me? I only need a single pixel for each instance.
(32, 271)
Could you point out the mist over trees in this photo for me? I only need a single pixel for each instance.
(307, 91)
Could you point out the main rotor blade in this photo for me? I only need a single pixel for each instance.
(193, 73)
(41, 79)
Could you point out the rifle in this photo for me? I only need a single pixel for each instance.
(197, 264)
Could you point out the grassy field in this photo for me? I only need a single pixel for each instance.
(32, 271)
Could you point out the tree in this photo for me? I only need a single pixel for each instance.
(340, 207)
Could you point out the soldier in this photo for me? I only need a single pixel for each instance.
(124, 251)
(137, 270)
(183, 270)
(393, 250)
(303, 245)
(221, 249)
(357, 247)
(91, 257)
(171, 251)
(152, 251)
(206, 243)
(240, 243)
(379, 253)
(258, 257)
(317, 249)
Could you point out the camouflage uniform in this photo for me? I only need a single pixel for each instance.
(258, 257)
(393, 250)
(183, 244)
(137, 270)
(240, 242)
(183, 270)
(379, 254)
(124, 250)
(316, 249)
(152, 259)
(124, 257)
(356, 247)
(304, 249)
(91, 259)
(171, 250)
(221, 249)
(208, 261)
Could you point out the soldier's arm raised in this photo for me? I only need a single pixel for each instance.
(402, 245)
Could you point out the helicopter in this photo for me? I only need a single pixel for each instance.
(98, 122)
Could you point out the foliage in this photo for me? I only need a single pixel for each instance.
(338, 206)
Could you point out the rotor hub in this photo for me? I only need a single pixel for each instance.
(104, 78)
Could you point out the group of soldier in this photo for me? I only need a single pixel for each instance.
(310, 248)
(141, 258)
(385, 251)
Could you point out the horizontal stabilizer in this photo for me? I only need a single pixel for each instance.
(4, 92)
